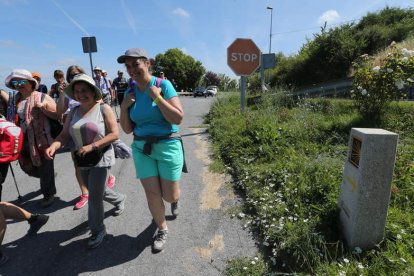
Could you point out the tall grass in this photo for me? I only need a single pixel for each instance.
(286, 158)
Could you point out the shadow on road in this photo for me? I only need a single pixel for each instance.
(64, 252)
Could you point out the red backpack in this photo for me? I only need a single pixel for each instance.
(11, 141)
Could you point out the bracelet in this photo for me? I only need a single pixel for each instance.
(157, 99)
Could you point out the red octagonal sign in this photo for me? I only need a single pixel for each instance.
(243, 56)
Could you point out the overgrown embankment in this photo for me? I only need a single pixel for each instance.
(287, 159)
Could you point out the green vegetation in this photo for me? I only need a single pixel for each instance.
(286, 158)
(330, 53)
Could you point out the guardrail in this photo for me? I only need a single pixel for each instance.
(339, 88)
(185, 93)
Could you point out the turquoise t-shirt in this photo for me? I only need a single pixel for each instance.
(146, 115)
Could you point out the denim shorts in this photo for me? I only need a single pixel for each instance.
(166, 159)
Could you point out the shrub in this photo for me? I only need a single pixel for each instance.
(376, 86)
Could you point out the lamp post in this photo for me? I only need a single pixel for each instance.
(271, 19)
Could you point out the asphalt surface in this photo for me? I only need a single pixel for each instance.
(200, 239)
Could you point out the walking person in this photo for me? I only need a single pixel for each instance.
(120, 84)
(42, 88)
(64, 106)
(33, 109)
(11, 211)
(153, 118)
(103, 84)
(92, 128)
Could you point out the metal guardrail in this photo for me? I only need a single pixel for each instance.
(339, 88)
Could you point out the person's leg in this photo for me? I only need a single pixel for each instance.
(95, 179)
(4, 167)
(47, 181)
(156, 206)
(170, 190)
(83, 199)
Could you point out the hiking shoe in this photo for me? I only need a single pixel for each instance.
(160, 240)
(111, 181)
(47, 201)
(96, 239)
(37, 224)
(119, 209)
(82, 202)
(174, 209)
(3, 259)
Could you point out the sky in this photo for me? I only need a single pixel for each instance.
(44, 35)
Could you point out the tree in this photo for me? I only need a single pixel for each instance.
(211, 78)
(179, 68)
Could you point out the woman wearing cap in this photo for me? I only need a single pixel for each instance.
(33, 109)
(153, 118)
(93, 128)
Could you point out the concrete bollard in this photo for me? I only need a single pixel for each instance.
(366, 186)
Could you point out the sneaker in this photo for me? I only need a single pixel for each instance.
(37, 224)
(111, 181)
(47, 201)
(3, 259)
(160, 240)
(82, 202)
(96, 239)
(119, 209)
(174, 209)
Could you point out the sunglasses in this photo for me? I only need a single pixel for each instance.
(18, 82)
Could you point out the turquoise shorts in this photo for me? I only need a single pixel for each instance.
(166, 159)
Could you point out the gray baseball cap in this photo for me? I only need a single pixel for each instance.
(133, 52)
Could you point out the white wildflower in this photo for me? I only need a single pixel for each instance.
(357, 250)
(253, 262)
(404, 59)
(399, 83)
(241, 215)
(364, 92)
(256, 258)
(399, 236)
(389, 70)
(376, 69)
(360, 266)
(244, 268)
(346, 260)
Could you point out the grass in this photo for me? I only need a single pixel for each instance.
(286, 159)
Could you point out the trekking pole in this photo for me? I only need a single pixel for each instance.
(116, 112)
(15, 182)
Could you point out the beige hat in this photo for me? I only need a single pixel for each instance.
(85, 78)
(97, 68)
(22, 74)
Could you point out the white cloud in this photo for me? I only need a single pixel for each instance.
(10, 44)
(181, 12)
(329, 16)
(129, 17)
(184, 50)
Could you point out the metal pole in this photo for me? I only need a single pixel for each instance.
(271, 21)
(90, 59)
(242, 91)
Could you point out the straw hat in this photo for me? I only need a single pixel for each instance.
(82, 78)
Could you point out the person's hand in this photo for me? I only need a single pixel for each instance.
(61, 87)
(84, 150)
(49, 153)
(128, 101)
(41, 105)
(154, 92)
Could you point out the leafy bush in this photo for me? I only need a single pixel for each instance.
(377, 86)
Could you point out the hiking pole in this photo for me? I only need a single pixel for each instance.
(15, 182)
(116, 112)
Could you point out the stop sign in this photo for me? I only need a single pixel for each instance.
(243, 56)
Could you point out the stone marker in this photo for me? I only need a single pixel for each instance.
(366, 186)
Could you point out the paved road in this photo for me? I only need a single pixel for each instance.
(200, 239)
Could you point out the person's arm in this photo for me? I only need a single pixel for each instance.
(62, 104)
(4, 95)
(125, 120)
(62, 139)
(171, 109)
(111, 129)
(48, 107)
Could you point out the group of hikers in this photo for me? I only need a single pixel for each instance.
(77, 114)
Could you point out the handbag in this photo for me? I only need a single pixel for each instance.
(26, 164)
(90, 159)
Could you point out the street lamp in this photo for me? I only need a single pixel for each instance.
(271, 19)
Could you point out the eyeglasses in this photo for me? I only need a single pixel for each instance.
(18, 82)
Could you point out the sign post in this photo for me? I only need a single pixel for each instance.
(89, 46)
(243, 57)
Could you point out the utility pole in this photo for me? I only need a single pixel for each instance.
(271, 21)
